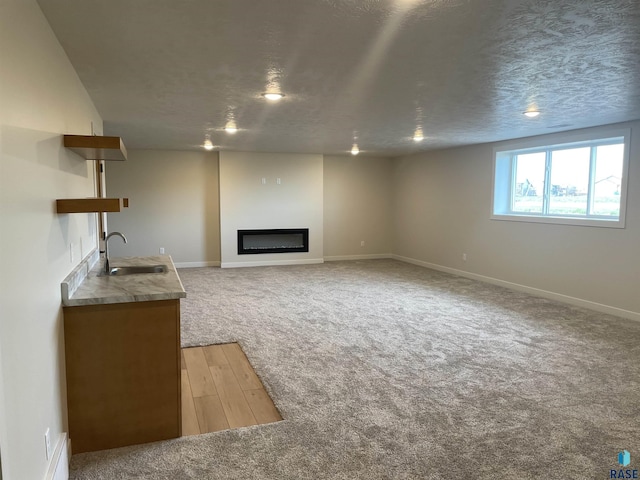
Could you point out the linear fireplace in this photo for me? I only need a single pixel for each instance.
(278, 240)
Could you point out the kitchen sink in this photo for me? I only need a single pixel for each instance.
(136, 269)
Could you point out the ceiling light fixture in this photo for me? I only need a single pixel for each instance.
(418, 136)
(355, 150)
(531, 113)
(208, 144)
(231, 127)
(273, 96)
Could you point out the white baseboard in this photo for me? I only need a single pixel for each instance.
(196, 264)
(579, 302)
(373, 256)
(59, 462)
(269, 263)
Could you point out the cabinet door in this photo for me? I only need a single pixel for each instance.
(123, 373)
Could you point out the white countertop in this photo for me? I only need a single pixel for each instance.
(91, 289)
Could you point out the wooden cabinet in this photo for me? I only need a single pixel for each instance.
(123, 373)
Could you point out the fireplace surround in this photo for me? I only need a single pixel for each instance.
(275, 240)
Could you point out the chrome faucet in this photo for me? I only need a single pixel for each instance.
(106, 249)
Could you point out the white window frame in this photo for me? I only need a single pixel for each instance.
(504, 177)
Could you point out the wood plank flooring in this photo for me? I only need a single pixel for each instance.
(220, 390)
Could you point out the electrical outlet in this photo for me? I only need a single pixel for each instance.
(161, 250)
(47, 444)
(362, 243)
(464, 257)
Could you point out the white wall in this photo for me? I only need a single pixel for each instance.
(183, 187)
(173, 203)
(245, 203)
(442, 203)
(357, 207)
(42, 98)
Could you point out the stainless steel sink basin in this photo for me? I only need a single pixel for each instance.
(136, 269)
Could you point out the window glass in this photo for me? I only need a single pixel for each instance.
(608, 180)
(529, 185)
(569, 181)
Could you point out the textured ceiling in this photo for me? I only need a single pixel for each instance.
(164, 73)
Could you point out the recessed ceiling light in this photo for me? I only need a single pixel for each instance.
(273, 96)
(231, 127)
(531, 113)
(355, 150)
(208, 145)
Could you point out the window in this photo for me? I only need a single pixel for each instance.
(581, 182)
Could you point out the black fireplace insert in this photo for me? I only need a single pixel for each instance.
(277, 240)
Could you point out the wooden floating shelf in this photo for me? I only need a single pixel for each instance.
(89, 205)
(96, 148)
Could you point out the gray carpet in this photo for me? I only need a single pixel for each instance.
(384, 370)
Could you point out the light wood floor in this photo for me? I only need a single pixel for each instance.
(220, 390)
